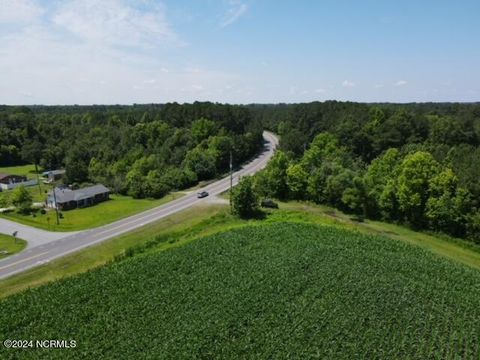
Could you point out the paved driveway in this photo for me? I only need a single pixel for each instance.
(34, 236)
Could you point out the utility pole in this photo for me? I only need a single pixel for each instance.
(231, 179)
(38, 179)
(56, 205)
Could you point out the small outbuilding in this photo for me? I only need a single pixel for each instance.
(11, 179)
(53, 175)
(8, 181)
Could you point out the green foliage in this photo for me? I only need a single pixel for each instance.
(297, 180)
(267, 292)
(21, 199)
(473, 226)
(119, 145)
(202, 129)
(378, 174)
(276, 175)
(154, 185)
(415, 173)
(201, 162)
(245, 200)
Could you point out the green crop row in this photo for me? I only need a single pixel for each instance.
(264, 292)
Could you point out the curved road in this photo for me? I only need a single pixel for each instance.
(44, 252)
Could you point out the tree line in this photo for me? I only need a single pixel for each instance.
(140, 150)
(413, 164)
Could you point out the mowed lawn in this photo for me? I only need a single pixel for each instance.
(79, 219)
(38, 193)
(24, 170)
(8, 246)
(116, 208)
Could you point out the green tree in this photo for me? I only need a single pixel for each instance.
(276, 173)
(220, 147)
(5, 199)
(99, 172)
(324, 146)
(32, 152)
(382, 170)
(21, 199)
(202, 129)
(136, 184)
(297, 180)
(355, 197)
(473, 226)
(416, 172)
(448, 206)
(261, 184)
(154, 187)
(201, 162)
(245, 200)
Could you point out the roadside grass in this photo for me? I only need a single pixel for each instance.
(200, 221)
(9, 247)
(118, 207)
(455, 249)
(191, 220)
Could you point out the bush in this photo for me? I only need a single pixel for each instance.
(269, 203)
(244, 198)
(473, 227)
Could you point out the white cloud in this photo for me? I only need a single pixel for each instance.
(236, 10)
(114, 22)
(348, 84)
(320, 91)
(90, 64)
(378, 86)
(400, 83)
(19, 11)
(197, 87)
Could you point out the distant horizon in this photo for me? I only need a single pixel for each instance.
(238, 51)
(252, 104)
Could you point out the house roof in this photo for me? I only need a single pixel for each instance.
(53, 172)
(66, 195)
(4, 175)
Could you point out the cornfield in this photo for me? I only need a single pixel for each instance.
(264, 292)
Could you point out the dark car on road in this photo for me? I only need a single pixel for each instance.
(202, 194)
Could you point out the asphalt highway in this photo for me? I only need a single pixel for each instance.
(43, 253)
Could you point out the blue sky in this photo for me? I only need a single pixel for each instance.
(238, 51)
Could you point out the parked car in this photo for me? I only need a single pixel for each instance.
(202, 194)
(269, 203)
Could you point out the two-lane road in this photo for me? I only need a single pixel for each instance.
(41, 254)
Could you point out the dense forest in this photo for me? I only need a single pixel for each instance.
(140, 150)
(417, 164)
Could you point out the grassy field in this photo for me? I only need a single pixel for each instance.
(197, 222)
(24, 170)
(117, 207)
(271, 290)
(38, 194)
(9, 247)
